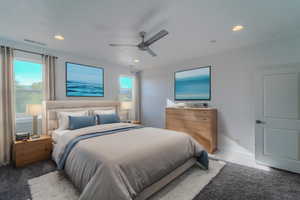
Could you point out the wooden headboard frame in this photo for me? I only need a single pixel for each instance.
(50, 109)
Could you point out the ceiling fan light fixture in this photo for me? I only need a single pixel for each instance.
(136, 60)
(59, 37)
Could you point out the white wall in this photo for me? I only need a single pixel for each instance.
(111, 71)
(232, 87)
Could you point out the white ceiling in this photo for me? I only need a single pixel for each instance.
(90, 25)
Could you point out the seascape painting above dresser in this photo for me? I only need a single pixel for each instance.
(193, 84)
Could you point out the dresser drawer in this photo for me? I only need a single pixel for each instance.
(182, 121)
(191, 115)
(190, 111)
(196, 128)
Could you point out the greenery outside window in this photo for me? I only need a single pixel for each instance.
(28, 90)
(126, 83)
(126, 97)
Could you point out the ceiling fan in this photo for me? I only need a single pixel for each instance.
(144, 45)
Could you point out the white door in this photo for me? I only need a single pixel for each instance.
(277, 130)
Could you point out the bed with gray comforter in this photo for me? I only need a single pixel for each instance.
(118, 161)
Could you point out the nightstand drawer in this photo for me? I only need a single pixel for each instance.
(25, 159)
(32, 151)
(32, 146)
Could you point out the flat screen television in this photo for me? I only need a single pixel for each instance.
(84, 80)
(193, 84)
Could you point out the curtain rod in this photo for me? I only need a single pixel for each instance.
(26, 51)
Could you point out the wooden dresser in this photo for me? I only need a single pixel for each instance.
(33, 150)
(200, 123)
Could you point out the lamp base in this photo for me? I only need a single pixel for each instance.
(34, 125)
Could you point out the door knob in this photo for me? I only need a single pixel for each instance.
(259, 122)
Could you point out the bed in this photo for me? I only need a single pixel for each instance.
(120, 160)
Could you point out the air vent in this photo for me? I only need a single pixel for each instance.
(35, 42)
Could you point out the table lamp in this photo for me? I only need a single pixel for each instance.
(34, 110)
(126, 106)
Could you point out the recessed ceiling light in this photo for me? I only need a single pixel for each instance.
(136, 60)
(237, 28)
(59, 37)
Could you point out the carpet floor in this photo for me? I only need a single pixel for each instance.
(232, 183)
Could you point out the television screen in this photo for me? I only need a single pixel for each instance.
(84, 80)
(193, 84)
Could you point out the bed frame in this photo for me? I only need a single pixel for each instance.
(50, 123)
(50, 108)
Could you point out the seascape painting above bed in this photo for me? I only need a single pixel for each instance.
(84, 80)
(193, 84)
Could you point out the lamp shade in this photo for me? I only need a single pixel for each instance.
(33, 109)
(126, 105)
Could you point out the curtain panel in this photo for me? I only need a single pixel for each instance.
(49, 63)
(136, 96)
(49, 77)
(7, 101)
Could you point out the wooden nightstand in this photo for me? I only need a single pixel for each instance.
(33, 150)
(135, 122)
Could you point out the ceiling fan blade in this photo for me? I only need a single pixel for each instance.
(151, 52)
(122, 45)
(156, 37)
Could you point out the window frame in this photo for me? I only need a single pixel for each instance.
(119, 86)
(26, 59)
(27, 119)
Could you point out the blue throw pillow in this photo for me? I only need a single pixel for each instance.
(81, 122)
(108, 119)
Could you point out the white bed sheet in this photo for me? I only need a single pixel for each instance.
(56, 134)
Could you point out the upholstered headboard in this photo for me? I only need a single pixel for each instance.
(50, 109)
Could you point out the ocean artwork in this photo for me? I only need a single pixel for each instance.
(193, 84)
(84, 81)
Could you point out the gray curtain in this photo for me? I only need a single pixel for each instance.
(136, 96)
(7, 101)
(49, 77)
(49, 63)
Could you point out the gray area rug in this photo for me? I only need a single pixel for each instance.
(234, 182)
(14, 181)
(237, 182)
(55, 186)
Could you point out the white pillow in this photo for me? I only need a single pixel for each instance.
(104, 112)
(63, 118)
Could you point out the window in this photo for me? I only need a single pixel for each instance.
(28, 90)
(126, 83)
(125, 97)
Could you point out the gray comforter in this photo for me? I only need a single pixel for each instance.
(120, 165)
